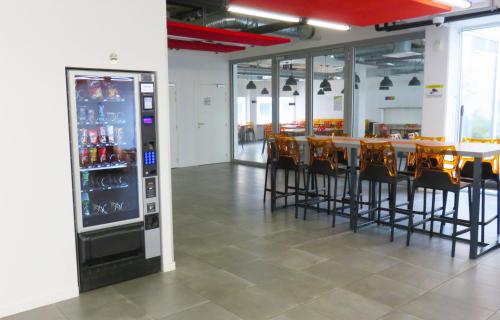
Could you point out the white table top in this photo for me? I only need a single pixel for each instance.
(475, 150)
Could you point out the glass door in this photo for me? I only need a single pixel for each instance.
(292, 97)
(328, 93)
(480, 93)
(388, 94)
(252, 110)
(106, 166)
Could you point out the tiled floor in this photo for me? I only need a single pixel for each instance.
(236, 260)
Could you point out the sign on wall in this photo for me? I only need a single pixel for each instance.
(434, 90)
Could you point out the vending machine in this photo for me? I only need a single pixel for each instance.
(112, 116)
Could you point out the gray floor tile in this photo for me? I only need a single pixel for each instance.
(295, 259)
(88, 302)
(207, 311)
(48, 312)
(337, 273)
(255, 304)
(165, 300)
(228, 256)
(433, 306)
(389, 292)
(301, 313)
(415, 276)
(347, 305)
(472, 292)
(399, 315)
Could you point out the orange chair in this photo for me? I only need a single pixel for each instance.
(378, 166)
(490, 172)
(289, 159)
(437, 168)
(323, 161)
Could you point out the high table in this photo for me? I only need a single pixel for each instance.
(478, 151)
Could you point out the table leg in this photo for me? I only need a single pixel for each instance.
(476, 192)
(354, 180)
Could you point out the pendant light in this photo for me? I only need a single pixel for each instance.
(383, 88)
(264, 91)
(321, 92)
(325, 83)
(414, 82)
(386, 82)
(287, 88)
(291, 81)
(357, 78)
(296, 93)
(251, 85)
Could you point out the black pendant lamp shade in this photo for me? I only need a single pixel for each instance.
(383, 88)
(386, 82)
(321, 92)
(357, 78)
(264, 91)
(287, 87)
(414, 82)
(327, 89)
(296, 93)
(324, 84)
(291, 81)
(251, 85)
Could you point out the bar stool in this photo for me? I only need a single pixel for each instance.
(268, 130)
(410, 172)
(323, 161)
(490, 170)
(270, 140)
(288, 152)
(378, 165)
(436, 168)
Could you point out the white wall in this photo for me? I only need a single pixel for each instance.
(39, 39)
(187, 71)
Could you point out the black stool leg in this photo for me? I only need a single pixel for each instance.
(392, 207)
(360, 182)
(455, 223)
(297, 183)
(425, 208)
(483, 208)
(346, 184)
(334, 213)
(286, 186)
(329, 193)
(307, 196)
(379, 211)
(445, 201)
(433, 207)
(410, 216)
(265, 182)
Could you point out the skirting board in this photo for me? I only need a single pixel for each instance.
(37, 302)
(168, 267)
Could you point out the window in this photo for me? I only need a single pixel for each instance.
(242, 110)
(479, 88)
(264, 110)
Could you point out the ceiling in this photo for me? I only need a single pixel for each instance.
(358, 13)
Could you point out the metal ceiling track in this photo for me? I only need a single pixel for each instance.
(390, 27)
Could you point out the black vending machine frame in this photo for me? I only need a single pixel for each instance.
(117, 254)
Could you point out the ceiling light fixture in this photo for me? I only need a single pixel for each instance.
(463, 4)
(357, 78)
(383, 88)
(296, 93)
(386, 82)
(414, 82)
(321, 92)
(263, 14)
(291, 81)
(328, 25)
(287, 88)
(251, 85)
(264, 91)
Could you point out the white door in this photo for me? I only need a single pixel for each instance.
(174, 128)
(212, 133)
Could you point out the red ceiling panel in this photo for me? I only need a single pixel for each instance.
(202, 46)
(187, 30)
(353, 12)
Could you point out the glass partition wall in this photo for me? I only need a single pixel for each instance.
(252, 111)
(388, 95)
(292, 97)
(364, 88)
(328, 93)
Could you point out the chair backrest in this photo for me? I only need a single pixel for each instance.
(493, 161)
(271, 141)
(377, 160)
(410, 162)
(250, 125)
(396, 136)
(268, 130)
(288, 149)
(437, 165)
(323, 154)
